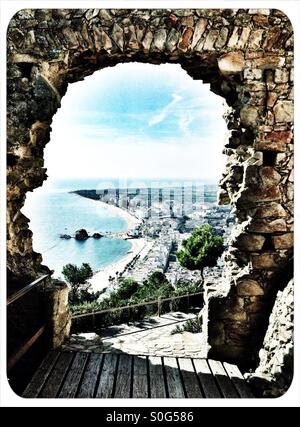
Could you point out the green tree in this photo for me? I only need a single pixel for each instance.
(77, 277)
(202, 249)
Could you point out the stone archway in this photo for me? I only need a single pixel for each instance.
(247, 57)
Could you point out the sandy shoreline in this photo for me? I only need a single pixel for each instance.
(100, 279)
(130, 219)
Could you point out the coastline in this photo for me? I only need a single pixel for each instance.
(100, 279)
(130, 219)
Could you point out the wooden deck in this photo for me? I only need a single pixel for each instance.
(91, 375)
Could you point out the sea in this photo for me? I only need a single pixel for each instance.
(54, 210)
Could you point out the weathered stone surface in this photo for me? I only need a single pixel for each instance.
(118, 36)
(255, 39)
(231, 63)
(146, 43)
(131, 38)
(198, 31)
(222, 38)
(172, 40)
(250, 242)
(267, 226)
(243, 38)
(283, 241)
(160, 37)
(270, 210)
(265, 261)
(186, 38)
(269, 176)
(58, 316)
(102, 41)
(245, 57)
(249, 287)
(210, 40)
(269, 62)
(233, 38)
(284, 111)
(249, 116)
(281, 76)
(273, 376)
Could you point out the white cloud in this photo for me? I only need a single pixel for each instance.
(160, 117)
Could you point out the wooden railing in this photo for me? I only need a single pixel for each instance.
(26, 345)
(159, 302)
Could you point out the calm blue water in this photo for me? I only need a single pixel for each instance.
(54, 211)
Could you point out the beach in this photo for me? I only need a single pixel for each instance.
(100, 279)
(131, 220)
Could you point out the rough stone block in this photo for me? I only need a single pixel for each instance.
(159, 40)
(185, 39)
(210, 40)
(231, 63)
(265, 261)
(271, 99)
(198, 31)
(172, 40)
(283, 241)
(255, 39)
(249, 116)
(260, 194)
(284, 111)
(281, 76)
(249, 287)
(268, 62)
(233, 38)
(222, 38)
(271, 210)
(267, 226)
(269, 176)
(243, 38)
(250, 242)
(147, 40)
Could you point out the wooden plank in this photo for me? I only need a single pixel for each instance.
(206, 378)
(123, 379)
(238, 380)
(156, 377)
(41, 375)
(88, 384)
(56, 379)
(174, 385)
(71, 383)
(222, 379)
(14, 359)
(190, 380)
(106, 383)
(140, 377)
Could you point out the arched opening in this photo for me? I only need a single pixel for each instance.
(124, 136)
(246, 57)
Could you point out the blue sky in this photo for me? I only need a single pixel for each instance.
(138, 121)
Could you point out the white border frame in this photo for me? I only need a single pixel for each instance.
(7, 397)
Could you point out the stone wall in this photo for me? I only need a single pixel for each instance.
(274, 375)
(247, 58)
(58, 316)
